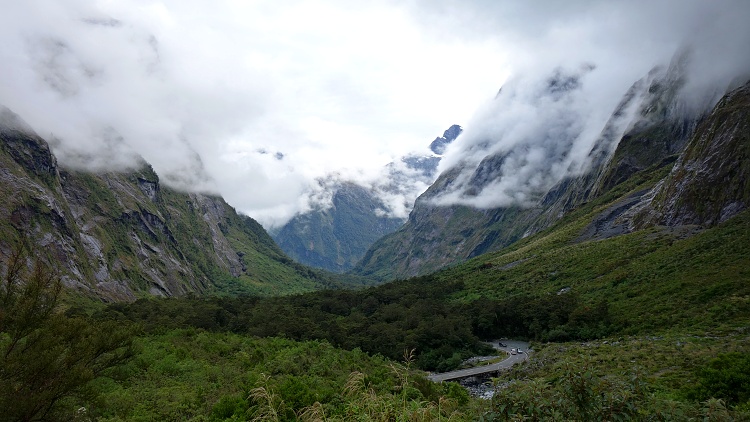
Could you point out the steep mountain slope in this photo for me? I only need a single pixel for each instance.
(648, 128)
(119, 236)
(335, 236)
(653, 279)
(710, 182)
(661, 129)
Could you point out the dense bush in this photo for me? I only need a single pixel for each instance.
(46, 357)
(726, 377)
(415, 314)
(189, 374)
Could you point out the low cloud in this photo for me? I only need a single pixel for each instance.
(526, 140)
(202, 90)
(569, 78)
(260, 101)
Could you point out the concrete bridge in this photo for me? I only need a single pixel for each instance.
(505, 364)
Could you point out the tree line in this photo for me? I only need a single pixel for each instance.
(414, 314)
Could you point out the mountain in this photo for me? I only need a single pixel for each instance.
(615, 316)
(121, 236)
(335, 235)
(647, 131)
(441, 142)
(632, 291)
(710, 182)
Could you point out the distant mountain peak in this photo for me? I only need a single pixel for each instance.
(347, 218)
(440, 143)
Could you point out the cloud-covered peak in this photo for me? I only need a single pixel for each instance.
(542, 128)
(522, 142)
(198, 89)
(441, 142)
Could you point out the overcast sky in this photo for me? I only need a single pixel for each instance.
(254, 100)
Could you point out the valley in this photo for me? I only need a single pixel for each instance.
(623, 278)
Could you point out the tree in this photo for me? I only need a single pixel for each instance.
(46, 356)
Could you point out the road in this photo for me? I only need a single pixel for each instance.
(507, 363)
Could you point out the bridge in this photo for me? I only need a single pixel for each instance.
(505, 364)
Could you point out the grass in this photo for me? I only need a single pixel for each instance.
(194, 375)
(652, 278)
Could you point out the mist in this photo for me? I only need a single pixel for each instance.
(253, 101)
(543, 123)
(259, 102)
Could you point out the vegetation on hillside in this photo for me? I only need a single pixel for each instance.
(637, 355)
(118, 236)
(548, 288)
(47, 358)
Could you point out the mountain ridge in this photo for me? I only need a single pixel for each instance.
(122, 235)
(647, 130)
(334, 236)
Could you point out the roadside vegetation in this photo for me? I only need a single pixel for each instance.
(672, 377)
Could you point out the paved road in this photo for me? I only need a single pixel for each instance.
(507, 363)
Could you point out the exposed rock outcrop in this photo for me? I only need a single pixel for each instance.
(120, 236)
(647, 131)
(711, 180)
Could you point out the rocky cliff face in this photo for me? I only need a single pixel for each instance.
(661, 127)
(647, 130)
(711, 180)
(120, 236)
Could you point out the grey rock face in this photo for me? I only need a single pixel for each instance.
(711, 180)
(649, 128)
(440, 143)
(120, 236)
(25, 146)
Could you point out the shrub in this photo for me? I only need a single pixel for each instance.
(726, 377)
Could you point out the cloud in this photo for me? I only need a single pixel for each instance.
(533, 134)
(198, 90)
(258, 101)
(526, 140)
